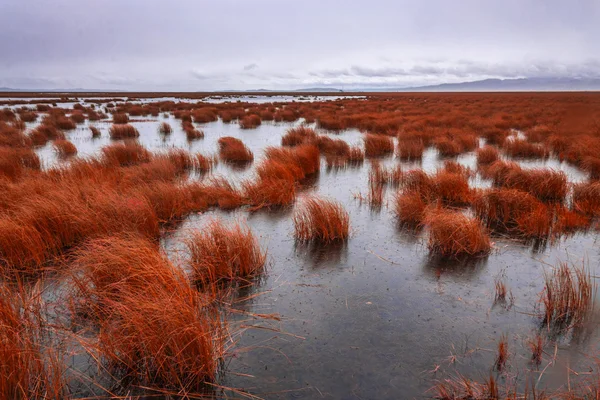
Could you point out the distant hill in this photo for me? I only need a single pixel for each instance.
(508, 85)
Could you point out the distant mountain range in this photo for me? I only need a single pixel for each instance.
(485, 85)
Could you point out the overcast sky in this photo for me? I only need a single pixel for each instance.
(279, 44)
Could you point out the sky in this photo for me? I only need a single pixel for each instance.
(205, 45)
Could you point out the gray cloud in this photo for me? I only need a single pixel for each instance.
(218, 44)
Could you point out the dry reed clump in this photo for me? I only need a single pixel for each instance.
(321, 221)
(15, 162)
(204, 164)
(120, 118)
(503, 210)
(451, 188)
(221, 253)
(63, 123)
(547, 185)
(205, 114)
(27, 369)
(377, 180)
(356, 155)
(586, 198)
(502, 354)
(125, 131)
(234, 150)
(568, 221)
(219, 192)
(378, 145)
(64, 148)
(191, 132)
(78, 117)
(448, 147)
(95, 132)
(28, 116)
(251, 121)
(410, 149)
(592, 166)
(269, 193)
(462, 388)
(410, 208)
(567, 298)
(303, 158)
(45, 132)
(453, 234)
(165, 129)
(297, 136)
(125, 154)
(520, 148)
(487, 155)
(154, 328)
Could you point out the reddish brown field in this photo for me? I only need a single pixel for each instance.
(98, 221)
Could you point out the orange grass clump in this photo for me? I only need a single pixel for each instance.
(410, 208)
(586, 198)
(452, 234)
(125, 131)
(378, 145)
(251, 121)
(234, 150)
(220, 253)
(27, 370)
(567, 297)
(154, 327)
(120, 118)
(546, 184)
(165, 129)
(502, 354)
(64, 148)
(297, 136)
(487, 155)
(323, 221)
(95, 132)
(502, 209)
(520, 148)
(410, 149)
(191, 133)
(125, 154)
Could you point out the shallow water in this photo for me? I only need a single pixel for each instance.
(372, 318)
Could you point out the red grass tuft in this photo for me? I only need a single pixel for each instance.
(95, 132)
(410, 149)
(452, 234)
(120, 118)
(192, 133)
(251, 121)
(165, 129)
(125, 154)
(520, 148)
(410, 208)
(592, 166)
(567, 297)
(487, 155)
(586, 198)
(319, 220)
(123, 132)
(64, 148)
(378, 145)
(234, 150)
(299, 135)
(153, 326)
(221, 253)
(29, 371)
